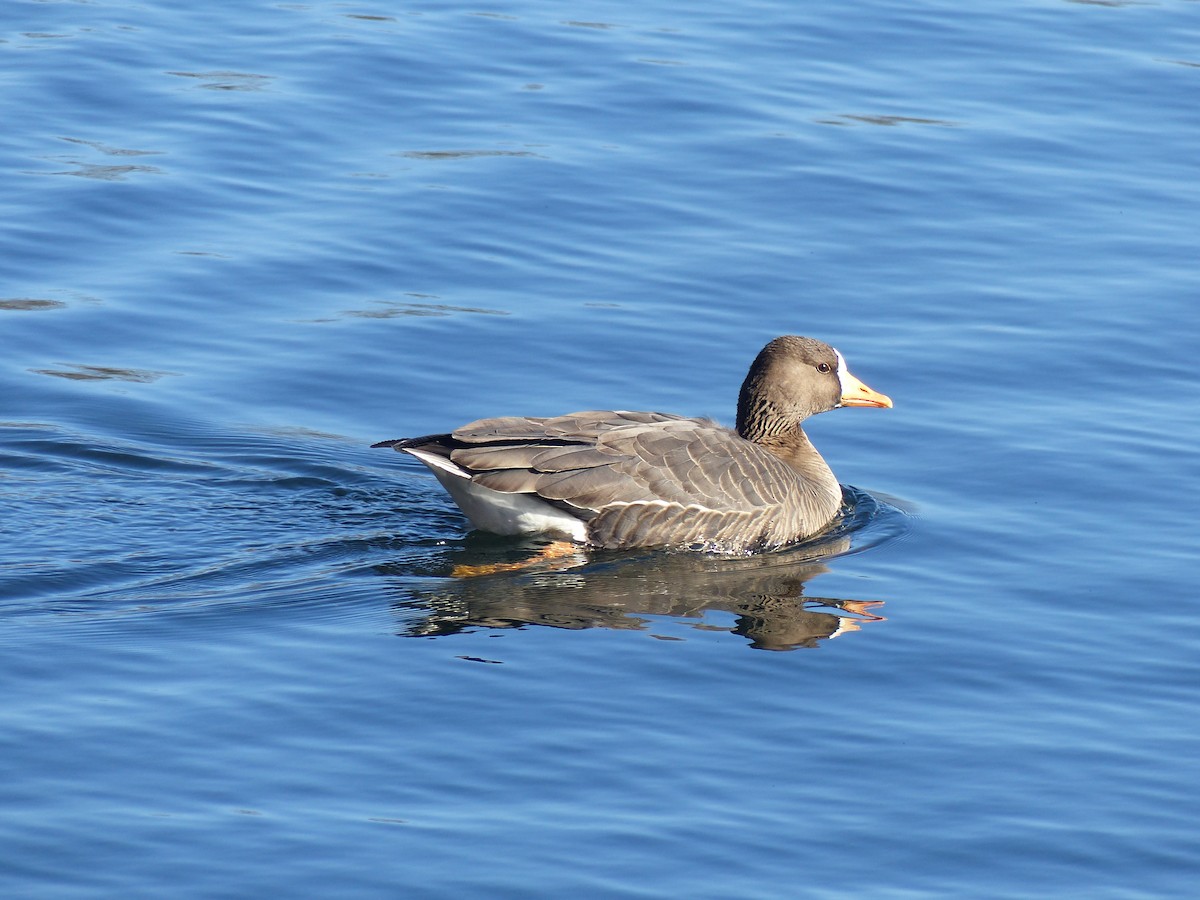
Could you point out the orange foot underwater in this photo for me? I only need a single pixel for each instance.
(552, 551)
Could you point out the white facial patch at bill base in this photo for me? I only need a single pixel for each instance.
(843, 372)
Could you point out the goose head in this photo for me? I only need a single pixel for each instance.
(793, 378)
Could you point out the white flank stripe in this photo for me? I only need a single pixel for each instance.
(438, 463)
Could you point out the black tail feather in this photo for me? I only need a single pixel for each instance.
(405, 443)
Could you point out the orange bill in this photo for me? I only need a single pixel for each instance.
(855, 393)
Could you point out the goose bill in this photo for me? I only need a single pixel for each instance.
(855, 393)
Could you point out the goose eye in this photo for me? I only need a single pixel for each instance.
(824, 368)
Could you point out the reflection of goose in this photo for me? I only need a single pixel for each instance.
(619, 480)
(765, 594)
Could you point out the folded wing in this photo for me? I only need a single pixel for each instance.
(636, 478)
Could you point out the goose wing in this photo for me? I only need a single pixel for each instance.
(638, 479)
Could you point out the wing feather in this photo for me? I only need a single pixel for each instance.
(485, 457)
(570, 456)
(641, 478)
(502, 428)
(591, 488)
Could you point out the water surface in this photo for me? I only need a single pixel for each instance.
(243, 244)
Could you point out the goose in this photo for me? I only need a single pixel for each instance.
(618, 480)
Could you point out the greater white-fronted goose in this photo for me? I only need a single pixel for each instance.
(618, 480)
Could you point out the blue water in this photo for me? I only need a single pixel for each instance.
(244, 241)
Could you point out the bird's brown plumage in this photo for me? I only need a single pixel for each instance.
(646, 479)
